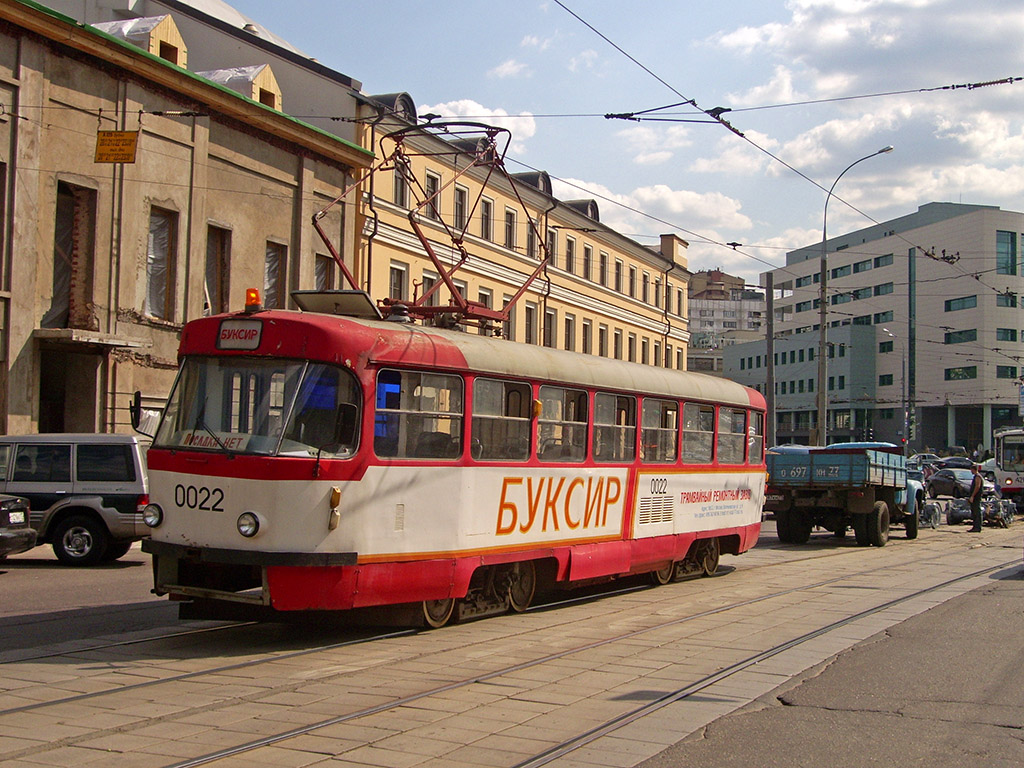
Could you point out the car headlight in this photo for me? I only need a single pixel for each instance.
(152, 515)
(248, 524)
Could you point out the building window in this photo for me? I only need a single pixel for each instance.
(74, 248)
(841, 271)
(961, 373)
(885, 380)
(656, 360)
(530, 324)
(1006, 300)
(803, 306)
(323, 272)
(861, 266)
(429, 281)
(531, 238)
(398, 281)
(883, 317)
(486, 218)
(645, 351)
(570, 255)
(588, 259)
(632, 282)
(602, 340)
(161, 254)
(508, 327)
(486, 298)
(218, 260)
(964, 302)
(883, 261)
(884, 347)
(1006, 334)
(618, 275)
(569, 333)
(883, 289)
(550, 328)
(461, 208)
(617, 344)
(802, 282)
(961, 337)
(602, 276)
(431, 188)
(1006, 253)
(400, 190)
(275, 276)
(552, 244)
(510, 228)
(631, 347)
(862, 320)
(645, 288)
(1006, 372)
(587, 337)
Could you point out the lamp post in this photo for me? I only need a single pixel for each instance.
(822, 398)
(903, 387)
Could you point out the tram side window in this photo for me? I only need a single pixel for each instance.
(732, 434)
(755, 455)
(419, 415)
(698, 433)
(660, 428)
(562, 426)
(614, 427)
(501, 420)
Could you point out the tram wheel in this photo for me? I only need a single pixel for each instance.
(523, 586)
(437, 613)
(709, 555)
(664, 575)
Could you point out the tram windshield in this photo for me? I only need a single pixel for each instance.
(1011, 453)
(262, 406)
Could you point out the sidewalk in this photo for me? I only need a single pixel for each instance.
(943, 689)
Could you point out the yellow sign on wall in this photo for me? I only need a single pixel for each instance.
(116, 146)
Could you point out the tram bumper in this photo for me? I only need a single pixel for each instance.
(232, 575)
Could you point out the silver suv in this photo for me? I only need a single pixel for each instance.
(86, 492)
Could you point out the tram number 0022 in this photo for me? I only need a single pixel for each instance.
(659, 485)
(201, 498)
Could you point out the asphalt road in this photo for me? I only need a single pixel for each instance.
(944, 689)
(43, 602)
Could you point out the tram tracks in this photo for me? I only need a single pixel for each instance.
(427, 691)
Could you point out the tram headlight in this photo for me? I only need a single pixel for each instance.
(152, 515)
(248, 524)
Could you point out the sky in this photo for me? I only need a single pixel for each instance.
(813, 85)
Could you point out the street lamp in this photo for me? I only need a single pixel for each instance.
(822, 398)
(903, 386)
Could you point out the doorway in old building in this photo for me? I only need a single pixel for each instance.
(69, 390)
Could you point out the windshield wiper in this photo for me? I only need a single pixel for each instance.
(201, 422)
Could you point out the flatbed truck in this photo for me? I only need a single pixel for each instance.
(859, 486)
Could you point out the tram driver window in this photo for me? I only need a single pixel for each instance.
(419, 415)
(323, 418)
(562, 425)
(614, 427)
(698, 433)
(732, 434)
(501, 420)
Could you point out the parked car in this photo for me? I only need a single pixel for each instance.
(16, 534)
(86, 492)
(921, 459)
(955, 482)
(953, 462)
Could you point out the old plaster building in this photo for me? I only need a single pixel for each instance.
(221, 195)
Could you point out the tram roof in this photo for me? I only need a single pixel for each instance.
(385, 342)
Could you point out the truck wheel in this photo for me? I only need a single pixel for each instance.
(800, 528)
(80, 540)
(911, 519)
(783, 527)
(878, 524)
(860, 530)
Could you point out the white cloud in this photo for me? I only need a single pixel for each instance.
(509, 68)
(653, 158)
(523, 126)
(583, 60)
(535, 41)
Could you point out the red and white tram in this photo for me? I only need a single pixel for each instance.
(312, 461)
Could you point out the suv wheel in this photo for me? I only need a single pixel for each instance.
(80, 540)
